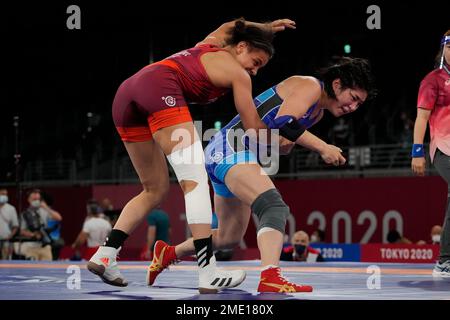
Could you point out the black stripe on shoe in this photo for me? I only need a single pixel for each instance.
(228, 282)
(222, 282)
(215, 281)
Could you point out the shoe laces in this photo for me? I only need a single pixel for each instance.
(284, 279)
(445, 266)
(446, 263)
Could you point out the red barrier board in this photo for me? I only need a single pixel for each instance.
(360, 210)
(364, 210)
(404, 253)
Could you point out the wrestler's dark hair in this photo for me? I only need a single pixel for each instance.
(256, 37)
(353, 73)
(437, 59)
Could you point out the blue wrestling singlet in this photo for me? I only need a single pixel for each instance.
(229, 146)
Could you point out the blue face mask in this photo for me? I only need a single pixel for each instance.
(3, 199)
(299, 249)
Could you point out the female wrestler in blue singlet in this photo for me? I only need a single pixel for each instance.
(242, 187)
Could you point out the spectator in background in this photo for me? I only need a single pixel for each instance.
(106, 205)
(9, 224)
(33, 226)
(94, 232)
(394, 237)
(158, 229)
(435, 236)
(53, 228)
(108, 212)
(299, 250)
(318, 236)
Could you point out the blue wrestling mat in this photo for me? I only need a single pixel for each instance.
(67, 280)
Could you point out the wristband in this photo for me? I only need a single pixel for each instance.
(417, 151)
(288, 126)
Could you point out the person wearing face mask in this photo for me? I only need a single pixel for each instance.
(299, 249)
(94, 231)
(433, 108)
(33, 223)
(436, 234)
(9, 224)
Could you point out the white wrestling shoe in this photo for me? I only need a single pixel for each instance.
(442, 269)
(103, 263)
(212, 279)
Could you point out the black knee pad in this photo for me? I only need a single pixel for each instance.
(271, 210)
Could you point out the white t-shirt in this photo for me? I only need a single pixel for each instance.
(8, 220)
(97, 229)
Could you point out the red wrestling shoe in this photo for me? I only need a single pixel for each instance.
(163, 256)
(273, 281)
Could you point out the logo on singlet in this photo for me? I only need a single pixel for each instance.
(169, 100)
(183, 53)
(217, 156)
(447, 82)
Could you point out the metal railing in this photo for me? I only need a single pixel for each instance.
(362, 161)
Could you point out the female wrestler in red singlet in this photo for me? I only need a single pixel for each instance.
(150, 112)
